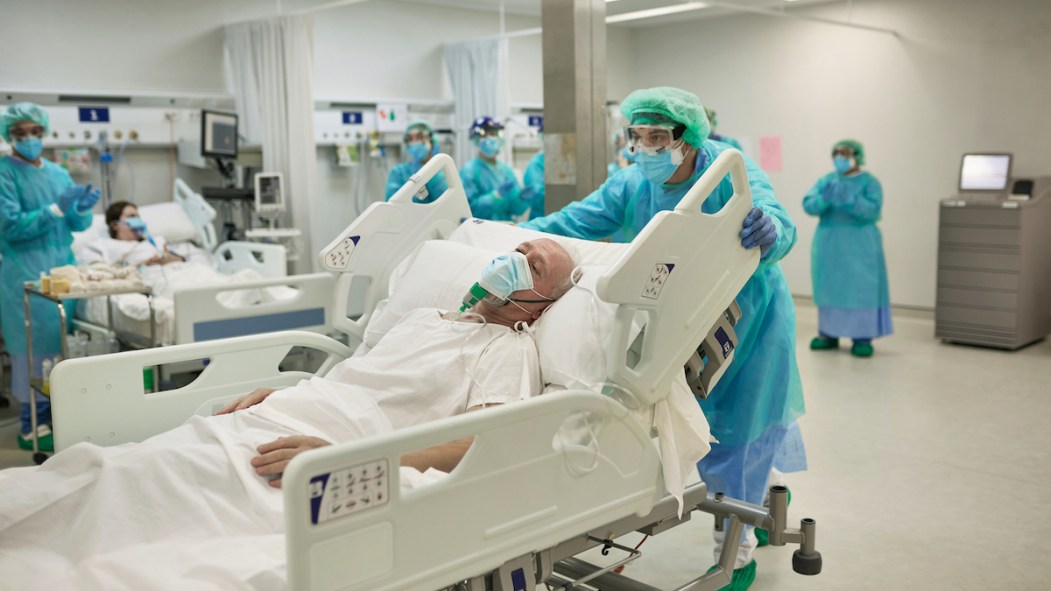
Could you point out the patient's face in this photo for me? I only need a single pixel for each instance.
(551, 266)
(122, 231)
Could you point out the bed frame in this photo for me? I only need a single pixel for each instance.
(523, 501)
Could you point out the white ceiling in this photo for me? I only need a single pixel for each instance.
(532, 8)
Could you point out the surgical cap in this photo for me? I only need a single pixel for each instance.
(419, 124)
(23, 112)
(859, 150)
(667, 105)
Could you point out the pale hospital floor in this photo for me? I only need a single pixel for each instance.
(929, 469)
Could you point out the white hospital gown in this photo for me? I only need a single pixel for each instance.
(120, 252)
(161, 514)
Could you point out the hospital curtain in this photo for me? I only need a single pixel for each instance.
(481, 86)
(270, 66)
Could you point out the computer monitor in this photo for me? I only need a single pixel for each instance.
(269, 193)
(985, 172)
(218, 134)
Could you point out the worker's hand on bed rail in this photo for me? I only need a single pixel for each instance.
(759, 230)
(258, 395)
(274, 457)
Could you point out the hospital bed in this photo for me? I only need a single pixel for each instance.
(255, 295)
(546, 478)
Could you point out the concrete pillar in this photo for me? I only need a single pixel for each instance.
(574, 43)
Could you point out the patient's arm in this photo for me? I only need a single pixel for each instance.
(444, 457)
(258, 395)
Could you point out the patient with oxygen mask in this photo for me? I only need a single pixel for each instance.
(129, 242)
(217, 474)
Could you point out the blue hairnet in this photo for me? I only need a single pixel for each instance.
(859, 150)
(667, 105)
(23, 112)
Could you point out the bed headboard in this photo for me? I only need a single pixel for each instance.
(386, 233)
(201, 214)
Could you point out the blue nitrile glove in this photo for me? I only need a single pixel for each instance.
(759, 230)
(67, 198)
(88, 200)
(506, 188)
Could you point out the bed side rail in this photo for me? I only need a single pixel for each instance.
(103, 399)
(201, 214)
(505, 499)
(682, 271)
(199, 316)
(269, 260)
(384, 234)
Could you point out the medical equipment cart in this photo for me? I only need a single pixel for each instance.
(39, 384)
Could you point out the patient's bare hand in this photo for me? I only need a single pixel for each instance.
(274, 457)
(258, 395)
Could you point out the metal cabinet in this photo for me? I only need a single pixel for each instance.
(994, 269)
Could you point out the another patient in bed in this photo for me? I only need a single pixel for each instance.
(129, 242)
(89, 508)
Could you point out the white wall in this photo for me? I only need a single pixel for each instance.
(965, 75)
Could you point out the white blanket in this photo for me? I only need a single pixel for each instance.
(182, 510)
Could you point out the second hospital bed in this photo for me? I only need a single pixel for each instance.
(224, 290)
(545, 478)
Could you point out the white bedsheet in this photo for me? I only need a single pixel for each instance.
(94, 518)
(131, 311)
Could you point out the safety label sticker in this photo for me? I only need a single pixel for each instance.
(349, 491)
(655, 282)
(725, 343)
(338, 258)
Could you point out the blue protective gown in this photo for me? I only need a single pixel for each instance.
(847, 263)
(729, 141)
(32, 240)
(533, 186)
(760, 395)
(399, 175)
(481, 181)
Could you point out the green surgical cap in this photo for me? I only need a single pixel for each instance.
(23, 112)
(667, 105)
(859, 150)
(419, 124)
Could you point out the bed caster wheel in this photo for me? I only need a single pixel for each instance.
(40, 457)
(806, 564)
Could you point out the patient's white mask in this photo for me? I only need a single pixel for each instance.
(507, 274)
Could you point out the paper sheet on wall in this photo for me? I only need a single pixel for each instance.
(770, 153)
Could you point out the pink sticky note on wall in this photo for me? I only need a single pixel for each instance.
(770, 153)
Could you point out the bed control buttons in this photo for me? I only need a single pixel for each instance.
(338, 258)
(348, 491)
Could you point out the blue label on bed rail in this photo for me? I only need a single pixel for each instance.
(725, 343)
(317, 493)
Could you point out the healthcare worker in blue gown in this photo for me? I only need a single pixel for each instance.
(847, 264)
(492, 189)
(40, 208)
(419, 146)
(757, 400)
(714, 121)
(533, 185)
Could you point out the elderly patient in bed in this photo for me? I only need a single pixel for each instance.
(129, 242)
(216, 476)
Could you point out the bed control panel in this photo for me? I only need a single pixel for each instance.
(348, 491)
(338, 257)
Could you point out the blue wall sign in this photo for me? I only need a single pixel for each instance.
(536, 121)
(93, 114)
(352, 118)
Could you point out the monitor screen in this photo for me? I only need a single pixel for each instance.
(218, 134)
(985, 172)
(269, 194)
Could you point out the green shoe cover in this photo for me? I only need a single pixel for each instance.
(861, 350)
(824, 343)
(47, 443)
(741, 579)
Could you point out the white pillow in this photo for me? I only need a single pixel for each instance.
(573, 334)
(95, 231)
(168, 220)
